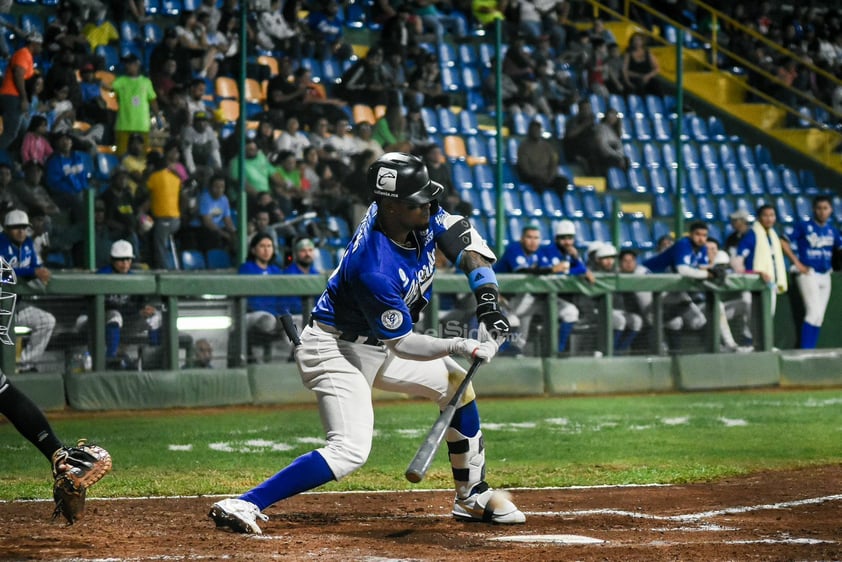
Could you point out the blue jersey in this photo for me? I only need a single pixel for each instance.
(379, 287)
(815, 244)
(271, 304)
(293, 304)
(516, 260)
(23, 259)
(680, 253)
(555, 256)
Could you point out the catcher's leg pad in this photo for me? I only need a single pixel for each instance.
(75, 469)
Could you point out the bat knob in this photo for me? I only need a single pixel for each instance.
(413, 477)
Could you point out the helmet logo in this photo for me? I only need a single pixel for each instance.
(386, 179)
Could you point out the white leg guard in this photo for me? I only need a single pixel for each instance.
(467, 459)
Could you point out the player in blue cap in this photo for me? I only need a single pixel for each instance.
(361, 336)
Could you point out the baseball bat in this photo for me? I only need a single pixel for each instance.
(289, 328)
(420, 463)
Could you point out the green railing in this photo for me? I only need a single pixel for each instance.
(171, 288)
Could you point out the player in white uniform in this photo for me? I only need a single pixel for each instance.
(815, 241)
(361, 337)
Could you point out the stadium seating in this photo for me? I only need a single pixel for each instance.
(192, 260)
(217, 258)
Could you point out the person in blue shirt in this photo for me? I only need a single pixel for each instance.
(216, 226)
(688, 257)
(262, 312)
(18, 250)
(303, 263)
(760, 251)
(815, 241)
(361, 336)
(67, 176)
(326, 28)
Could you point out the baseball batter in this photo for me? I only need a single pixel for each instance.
(815, 241)
(361, 336)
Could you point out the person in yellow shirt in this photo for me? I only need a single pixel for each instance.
(164, 204)
(100, 32)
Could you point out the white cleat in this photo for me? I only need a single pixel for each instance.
(238, 515)
(490, 506)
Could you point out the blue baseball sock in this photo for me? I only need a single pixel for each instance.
(304, 473)
(809, 336)
(564, 330)
(627, 341)
(466, 419)
(155, 336)
(112, 339)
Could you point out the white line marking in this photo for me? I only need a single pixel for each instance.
(556, 539)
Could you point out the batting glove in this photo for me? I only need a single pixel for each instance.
(474, 349)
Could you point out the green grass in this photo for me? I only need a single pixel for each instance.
(675, 438)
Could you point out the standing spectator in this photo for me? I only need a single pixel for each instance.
(626, 323)
(761, 252)
(607, 145)
(740, 226)
(200, 146)
(137, 103)
(121, 210)
(537, 161)
(67, 177)
(164, 202)
(17, 248)
(134, 161)
(124, 313)
(815, 242)
(13, 95)
(401, 33)
(579, 133)
(365, 81)
(640, 68)
(262, 311)
(613, 70)
(193, 38)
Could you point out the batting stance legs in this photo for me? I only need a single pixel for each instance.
(342, 373)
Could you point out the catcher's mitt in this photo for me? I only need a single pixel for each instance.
(76, 469)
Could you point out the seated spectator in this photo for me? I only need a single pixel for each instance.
(292, 139)
(276, 33)
(639, 302)
(390, 130)
(365, 81)
(260, 174)
(93, 110)
(193, 38)
(262, 311)
(202, 355)
(440, 172)
(607, 146)
(365, 141)
(579, 133)
(121, 209)
(425, 85)
(31, 191)
(36, 146)
(284, 94)
(613, 70)
(343, 141)
(626, 323)
(537, 161)
(438, 21)
(216, 229)
(200, 146)
(16, 244)
(124, 314)
(67, 177)
(169, 49)
(303, 263)
(416, 130)
(401, 33)
(327, 29)
(62, 119)
(9, 198)
(196, 98)
(290, 191)
(640, 68)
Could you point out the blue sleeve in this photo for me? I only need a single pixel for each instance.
(746, 249)
(577, 267)
(683, 254)
(55, 174)
(28, 248)
(205, 203)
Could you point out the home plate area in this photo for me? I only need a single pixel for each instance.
(789, 515)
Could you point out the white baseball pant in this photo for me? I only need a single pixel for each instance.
(815, 291)
(41, 324)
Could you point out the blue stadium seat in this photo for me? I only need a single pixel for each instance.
(515, 228)
(598, 105)
(626, 131)
(642, 128)
(471, 80)
(512, 202)
(803, 208)
(572, 203)
(476, 148)
(637, 180)
(716, 129)
(486, 54)
(171, 8)
(762, 156)
(754, 182)
(659, 230)
(451, 80)
(724, 206)
(31, 22)
(619, 103)
(340, 231)
(481, 226)
(807, 179)
(468, 125)
(744, 204)
(654, 106)
(474, 100)
(217, 258)
(601, 231)
(447, 121)
(152, 33)
(520, 123)
(584, 232)
(708, 156)
(837, 209)
(663, 205)
(745, 156)
(7, 32)
(492, 149)
(690, 154)
(483, 176)
(773, 181)
(691, 210)
(784, 210)
(789, 180)
(488, 204)
(468, 55)
(652, 157)
(531, 202)
(192, 260)
(472, 196)
(104, 165)
(447, 54)
(110, 55)
(153, 7)
(698, 129)
(661, 128)
(325, 259)
(431, 120)
(636, 105)
(694, 179)
(716, 182)
(559, 125)
(727, 157)
(130, 32)
(706, 208)
(640, 235)
(632, 152)
(715, 233)
(314, 65)
(617, 180)
(668, 150)
(461, 175)
(511, 150)
(509, 176)
(592, 205)
(552, 203)
(658, 181)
